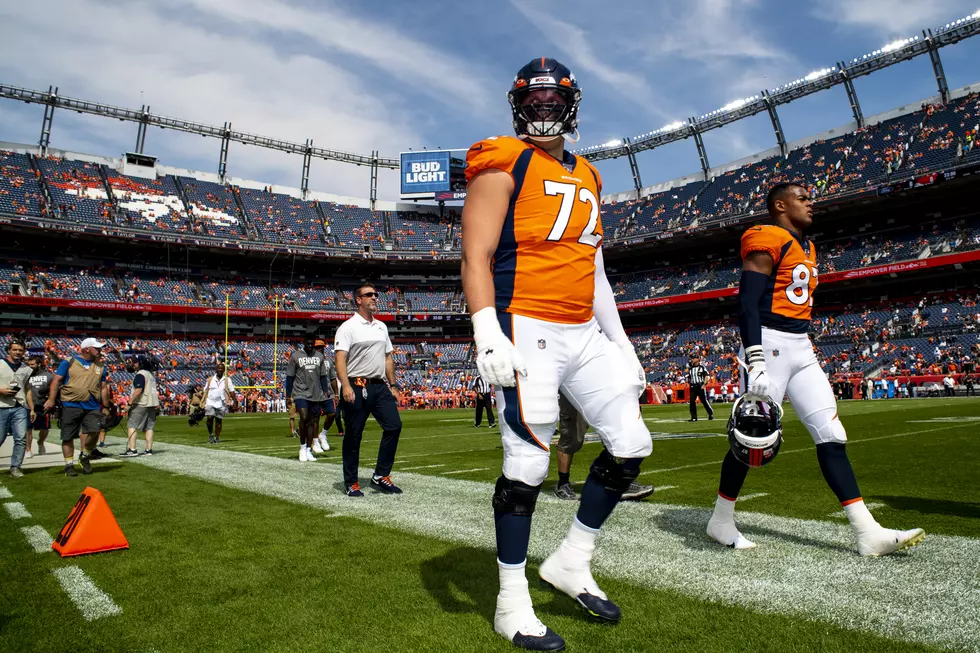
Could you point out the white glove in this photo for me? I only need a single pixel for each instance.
(634, 362)
(497, 358)
(758, 382)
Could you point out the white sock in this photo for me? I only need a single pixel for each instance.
(579, 545)
(859, 516)
(724, 509)
(513, 583)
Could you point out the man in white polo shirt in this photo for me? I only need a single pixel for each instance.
(220, 393)
(364, 361)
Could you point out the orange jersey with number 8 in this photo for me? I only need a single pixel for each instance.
(789, 301)
(544, 265)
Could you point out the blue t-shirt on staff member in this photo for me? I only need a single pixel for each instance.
(62, 371)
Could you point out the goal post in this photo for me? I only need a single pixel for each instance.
(275, 346)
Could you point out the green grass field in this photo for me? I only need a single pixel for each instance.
(239, 547)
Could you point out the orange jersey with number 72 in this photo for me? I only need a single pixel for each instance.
(544, 265)
(788, 303)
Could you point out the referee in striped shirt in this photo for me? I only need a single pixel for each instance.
(483, 390)
(696, 376)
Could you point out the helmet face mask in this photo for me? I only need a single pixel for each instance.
(544, 100)
(755, 431)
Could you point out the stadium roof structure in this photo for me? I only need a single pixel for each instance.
(842, 73)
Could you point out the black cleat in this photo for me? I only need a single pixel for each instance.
(70, 470)
(636, 492)
(98, 455)
(550, 641)
(86, 464)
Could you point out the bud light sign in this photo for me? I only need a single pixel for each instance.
(424, 173)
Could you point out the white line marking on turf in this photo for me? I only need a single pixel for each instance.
(930, 596)
(783, 452)
(92, 602)
(757, 495)
(5, 493)
(408, 469)
(661, 488)
(16, 510)
(843, 513)
(38, 538)
(465, 471)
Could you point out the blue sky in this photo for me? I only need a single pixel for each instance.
(392, 76)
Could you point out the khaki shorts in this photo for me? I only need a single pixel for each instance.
(142, 418)
(571, 427)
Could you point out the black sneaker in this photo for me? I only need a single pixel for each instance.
(384, 484)
(210, 439)
(711, 417)
(86, 463)
(129, 453)
(354, 490)
(565, 491)
(98, 455)
(636, 492)
(70, 470)
(148, 452)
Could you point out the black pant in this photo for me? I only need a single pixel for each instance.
(697, 391)
(338, 416)
(483, 401)
(969, 390)
(380, 403)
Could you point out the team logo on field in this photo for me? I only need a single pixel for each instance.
(775, 353)
(542, 344)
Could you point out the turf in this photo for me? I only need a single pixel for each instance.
(216, 568)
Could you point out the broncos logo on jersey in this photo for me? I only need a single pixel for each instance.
(788, 302)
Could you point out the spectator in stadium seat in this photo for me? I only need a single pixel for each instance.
(14, 414)
(80, 383)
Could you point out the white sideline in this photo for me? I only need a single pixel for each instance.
(797, 569)
(92, 602)
(16, 510)
(38, 538)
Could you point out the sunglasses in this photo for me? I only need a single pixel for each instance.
(368, 294)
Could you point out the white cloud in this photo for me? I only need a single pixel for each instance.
(576, 45)
(892, 18)
(188, 70)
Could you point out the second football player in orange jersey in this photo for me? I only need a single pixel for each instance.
(779, 276)
(541, 305)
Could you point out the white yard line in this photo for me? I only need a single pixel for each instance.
(92, 602)
(466, 471)
(16, 510)
(38, 538)
(661, 488)
(409, 469)
(757, 495)
(795, 570)
(784, 452)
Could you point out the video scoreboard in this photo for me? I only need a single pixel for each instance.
(433, 175)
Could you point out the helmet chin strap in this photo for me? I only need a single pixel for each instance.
(570, 138)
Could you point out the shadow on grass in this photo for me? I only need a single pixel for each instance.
(933, 506)
(465, 580)
(690, 525)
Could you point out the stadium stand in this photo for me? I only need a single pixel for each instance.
(150, 203)
(212, 208)
(281, 218)
(78, 191)
(20, 191)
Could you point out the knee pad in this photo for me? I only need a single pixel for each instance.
(615, 474)
(514, 497)
(825, 426)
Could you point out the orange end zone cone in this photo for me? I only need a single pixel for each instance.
(91, 528)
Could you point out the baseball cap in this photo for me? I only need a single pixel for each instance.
(319, 343)
(91, 342)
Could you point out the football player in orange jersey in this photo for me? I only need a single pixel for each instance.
(779, 276)
(545, 319)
